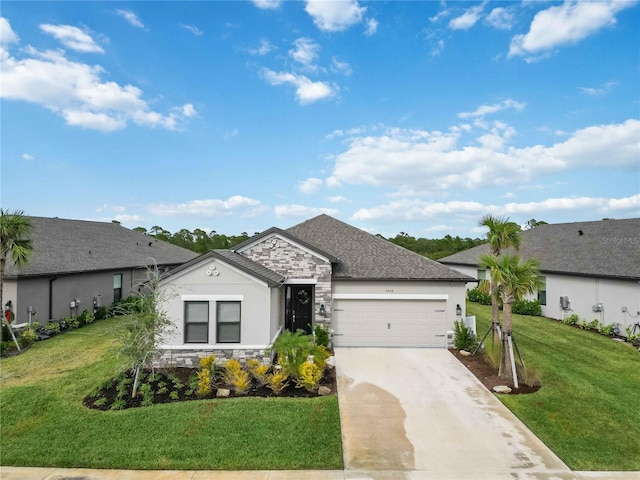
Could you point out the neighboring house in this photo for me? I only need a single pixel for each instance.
(93, 262)
(368, 291)
(591, 269)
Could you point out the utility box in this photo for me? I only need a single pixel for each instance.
(564, 303)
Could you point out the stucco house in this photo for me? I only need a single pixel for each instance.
(366, 290)
(77, 262)
(591, 269)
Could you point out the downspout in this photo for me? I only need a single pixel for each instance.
(51, 280)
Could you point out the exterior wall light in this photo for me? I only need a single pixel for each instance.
(458, 310)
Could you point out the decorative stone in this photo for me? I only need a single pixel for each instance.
(322, 391)
(223, 393)
(501, 389)
(464, 353)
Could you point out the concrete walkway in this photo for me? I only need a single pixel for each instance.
(407, 414)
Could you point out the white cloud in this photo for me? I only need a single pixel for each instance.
(73, 38)
(603, 90)
(340, 67)
(372, 27)
(437, 50)
(301, 211)
(130, 17)
(193, 29)
(566, 24)
(483, 110)
(440, 15)
(307, 91)
(309, 186)
(26, 156)
(267, 4)
(264, 48)
(77, 92)
(129, 218)
(204, 208)
(500, 18)
(305, 52)
(7, 35)
(337, 199)
(110, 208)
(430, 161)
(419, 210)
(335, 16)
(468, 19)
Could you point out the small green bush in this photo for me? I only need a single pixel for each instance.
(464, 338)
(475, 295)
(571, 319)
(101, 313)
(527, 307)
(27, 338)
(607, 329)
(322, 335)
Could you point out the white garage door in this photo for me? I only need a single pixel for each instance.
(389, 323)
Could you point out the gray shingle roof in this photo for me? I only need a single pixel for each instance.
(243, 263)
(72, 246)
(607, 248)
(365, 256)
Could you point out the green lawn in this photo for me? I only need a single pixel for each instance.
(43, 421)
(588, 409)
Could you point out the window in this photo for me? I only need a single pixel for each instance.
(117, 287)
(482, 274)
(196, 322)
(228, 322)
(542, 291)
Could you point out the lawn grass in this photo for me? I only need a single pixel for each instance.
(588, 409)
(43, 421)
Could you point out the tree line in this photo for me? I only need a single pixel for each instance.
(201, 242)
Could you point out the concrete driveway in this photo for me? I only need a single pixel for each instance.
(418, 414)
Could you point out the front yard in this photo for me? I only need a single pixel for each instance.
(588, 409)
(45, 424)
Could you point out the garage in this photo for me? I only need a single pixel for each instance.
(390, 322)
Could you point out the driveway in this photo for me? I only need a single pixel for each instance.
(418, 414)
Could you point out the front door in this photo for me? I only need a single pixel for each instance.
(298, 308)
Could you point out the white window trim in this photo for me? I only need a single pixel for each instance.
(301, 281)
(390, 296)
(212, 298)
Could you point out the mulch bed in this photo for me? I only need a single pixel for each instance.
(162, 383)
(484, 372)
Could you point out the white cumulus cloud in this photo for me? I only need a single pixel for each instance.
(468, 19)
(7, 35)
(72, 37)
(310, 185)
(307, 91)
(205, 207)
(566, 24)
(500, 18)
(335, 16)
(484, 110)
(130, 17)
(264, 48)
(305, 52)
(267, 4)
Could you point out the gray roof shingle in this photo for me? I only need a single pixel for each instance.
(364, 256)
(606, 248)
(239, 261)
(72, 246)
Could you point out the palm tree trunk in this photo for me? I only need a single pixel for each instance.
(495, 312)
(506, 371)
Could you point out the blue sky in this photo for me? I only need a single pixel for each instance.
(417, 117)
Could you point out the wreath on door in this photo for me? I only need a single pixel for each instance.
(303, 297)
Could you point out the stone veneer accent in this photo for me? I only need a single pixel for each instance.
(293, 262)
(191, 358)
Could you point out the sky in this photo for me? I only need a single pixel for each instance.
(415, 117)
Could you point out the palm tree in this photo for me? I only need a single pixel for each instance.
(502, 234)
(15, 231)
(515, 279)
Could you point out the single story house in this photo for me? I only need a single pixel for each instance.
(591, 269)
(367, 291)
(79, 264)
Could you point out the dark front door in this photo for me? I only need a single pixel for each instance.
(298, 308)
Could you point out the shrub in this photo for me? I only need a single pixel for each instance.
(236, 377)
(73, 322)
(52, 328)
(278, 380)
(571, 319)
(27, 338)
(583, 325)
(258, 371)
(87, 317)
(208, 362)
(607, 329)
(527, 307)
(292, 350)
(309, 376)
(204, 382)
(493, 353)
(321, 335)
(594, 324)
(464, 338)
(101, 313)
(475, 295)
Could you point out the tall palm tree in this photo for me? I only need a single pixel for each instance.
(515, 279)
(502, 234)
(15, 232)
